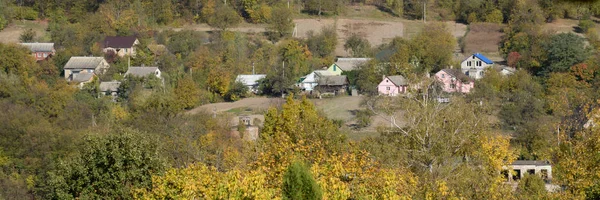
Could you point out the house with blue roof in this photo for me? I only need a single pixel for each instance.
(475, 65)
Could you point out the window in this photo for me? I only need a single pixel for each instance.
(478, 63)
(45, 55)
(443, 76)
(481, 73)
(468, 63)
(387, 81)
(452, 86)
(387, 88)
(334, 68)
(125, 50)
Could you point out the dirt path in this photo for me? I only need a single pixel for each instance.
(257, 103)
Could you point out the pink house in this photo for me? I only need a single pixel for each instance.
(392, 85)
(454, 80)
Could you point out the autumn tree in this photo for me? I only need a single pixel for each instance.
(532, 187)
(187, 93)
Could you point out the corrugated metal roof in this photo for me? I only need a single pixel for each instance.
(483, 58)
(458, 74)
(141, 71)
(84, 62)
(333, 80)
(39, 47)
(119, 41)
(251, 79)
(82, 77)
(349, 64)
(112, 86)
(398, 80)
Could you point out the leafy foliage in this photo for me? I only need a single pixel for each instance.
(298, 183)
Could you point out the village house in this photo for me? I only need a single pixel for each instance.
(519, 168)
(83, 78)
(310, 81)
(452, 80)
(120, 45)
(475, 65)
(392, 85)
(251, 81)
(40, 51)
(348, 64)
(143, 71)
(84, 65)
(332, 84)
(110, 88)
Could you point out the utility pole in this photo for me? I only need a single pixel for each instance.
(253, 68)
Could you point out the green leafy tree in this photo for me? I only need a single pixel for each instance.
(585, 24)
(238, 91)
(225, 17)
(107, 166)
(532, 187)
(299, 184)
(27, 36)
(324, 43)
(281, 21)
(434, 46)
(564, 50)
(357, 46)
(495, 17)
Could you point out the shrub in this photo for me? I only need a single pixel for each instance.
(585, 25)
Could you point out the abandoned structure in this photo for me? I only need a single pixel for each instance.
(521, 167)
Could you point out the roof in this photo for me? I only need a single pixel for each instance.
(530, 162)
(324, 73)
(483, 58)
(84, 62)
(82, 77)
(110, 86)
(458, 74)
(349, 64)
(119, 41)
(39, 47)
(141, 71)
(333, 80)
(251, 79)
(398, 80)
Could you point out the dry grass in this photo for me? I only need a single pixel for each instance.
(483, 37)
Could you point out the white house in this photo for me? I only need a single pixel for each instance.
(83, 65)
(475, 65)
(310, 81)
(250, 81)
(143, 71)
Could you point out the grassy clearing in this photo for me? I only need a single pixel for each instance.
(483, 38)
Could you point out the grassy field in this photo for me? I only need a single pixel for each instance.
(11, 33)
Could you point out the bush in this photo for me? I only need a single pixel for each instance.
(27, 35)
(585, 25)
(298, 183)
(363, 118)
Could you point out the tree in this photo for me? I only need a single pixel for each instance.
(495, 17)
(298, 183)
(187, 93)
(532, 187)
(434, 46)
(27, 36)
(564, 50)
(357, 46)
(324, 43)
(281, 21)
(224, 18)
(238, 91)
(106, 166)
(585, 24)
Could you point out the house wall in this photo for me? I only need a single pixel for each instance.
(387, 87)
(451, 84)
(471, 68)
(335, 69)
